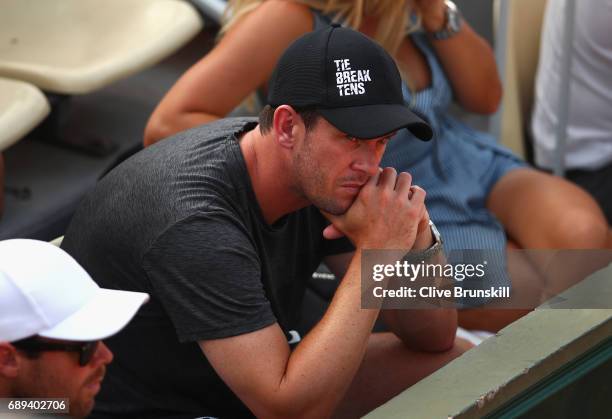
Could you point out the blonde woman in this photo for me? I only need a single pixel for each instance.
(479, 194)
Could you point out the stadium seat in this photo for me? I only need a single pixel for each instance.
(78, 46)
(22, 107)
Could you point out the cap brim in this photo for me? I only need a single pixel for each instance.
(105, 314)
(373, 121)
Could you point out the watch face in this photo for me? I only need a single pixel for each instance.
(454, 20)
(436, 234)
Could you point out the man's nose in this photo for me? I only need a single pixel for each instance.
(368, 159)
(103, 355)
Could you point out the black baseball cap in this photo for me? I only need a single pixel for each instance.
(349, 79)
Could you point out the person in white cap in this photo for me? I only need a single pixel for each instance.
(53, 317)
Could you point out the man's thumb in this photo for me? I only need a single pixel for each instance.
(331, 232)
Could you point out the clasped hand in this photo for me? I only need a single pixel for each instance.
(388, 213)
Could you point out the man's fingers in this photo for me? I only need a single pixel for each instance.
(373, 180)
(403, 184)
(388, 178)
(331, 232)
(418, 195)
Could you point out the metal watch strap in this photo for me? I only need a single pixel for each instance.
(453, 22)
(422, 255)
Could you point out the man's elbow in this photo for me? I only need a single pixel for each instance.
(314, 412)
(440, 342)
(444, 335)
(295, 400)
(439, 336)
(295, 409)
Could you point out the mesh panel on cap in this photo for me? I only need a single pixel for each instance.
(299, 77)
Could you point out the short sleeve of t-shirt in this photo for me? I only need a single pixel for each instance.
(206, 273)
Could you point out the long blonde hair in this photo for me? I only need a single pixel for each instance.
(394, 16)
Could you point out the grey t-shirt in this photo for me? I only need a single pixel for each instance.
(180, 221)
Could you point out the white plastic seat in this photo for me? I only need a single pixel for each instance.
(22, 107)
(78, 46)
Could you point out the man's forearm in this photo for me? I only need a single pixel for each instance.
(425, 329)
(323, 365)
(310, 381)
(385, 215)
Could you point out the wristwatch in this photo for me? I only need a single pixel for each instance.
(453, 22)
(417, 256)
(437, 245)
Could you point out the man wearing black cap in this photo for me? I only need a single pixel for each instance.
(223, 226)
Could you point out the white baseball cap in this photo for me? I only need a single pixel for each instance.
(45, 292)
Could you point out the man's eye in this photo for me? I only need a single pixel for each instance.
(352, 140)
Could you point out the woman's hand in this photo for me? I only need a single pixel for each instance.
(433, 14)
(476, 87)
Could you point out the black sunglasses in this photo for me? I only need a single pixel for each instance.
(86, 350)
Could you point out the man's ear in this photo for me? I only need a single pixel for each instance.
(9, 361)
(288, 126)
